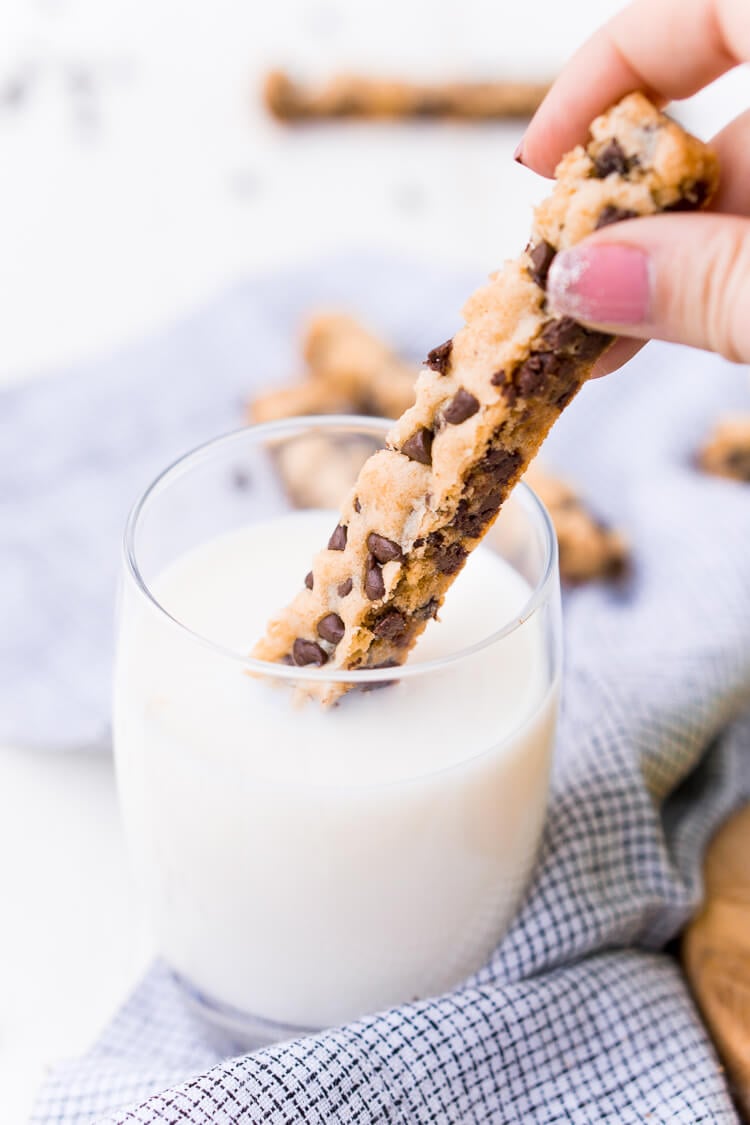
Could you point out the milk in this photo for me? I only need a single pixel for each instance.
(302, 865)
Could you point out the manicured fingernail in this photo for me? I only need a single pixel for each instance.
(603, 284)
(518, 154)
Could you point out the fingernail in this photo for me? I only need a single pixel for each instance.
(603, 284)
(518, 154)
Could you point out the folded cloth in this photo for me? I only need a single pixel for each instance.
(580, 1015)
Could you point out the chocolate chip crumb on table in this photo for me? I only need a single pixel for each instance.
(438, 486)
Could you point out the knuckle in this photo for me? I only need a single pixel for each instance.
(725, 299)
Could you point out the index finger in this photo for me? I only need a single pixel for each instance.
(665, 48)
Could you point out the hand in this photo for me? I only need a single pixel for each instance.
(679, 277)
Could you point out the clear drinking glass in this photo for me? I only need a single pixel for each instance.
(305, 865)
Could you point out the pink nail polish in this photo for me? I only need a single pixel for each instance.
(601, 284)
(518, 154)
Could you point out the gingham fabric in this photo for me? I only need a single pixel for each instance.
(580, 1015)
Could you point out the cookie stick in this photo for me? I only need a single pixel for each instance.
(485, 402)
(351, 95)
(316, 471)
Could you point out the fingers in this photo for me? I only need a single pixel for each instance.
(623, 349)
(732, 146)
(666, 48)
(684, 278)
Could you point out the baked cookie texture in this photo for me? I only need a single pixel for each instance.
(484, 403)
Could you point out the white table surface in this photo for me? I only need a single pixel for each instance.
(140, 177)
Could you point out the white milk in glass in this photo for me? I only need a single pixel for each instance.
(306, 865)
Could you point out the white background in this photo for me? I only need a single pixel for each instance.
(139, 176)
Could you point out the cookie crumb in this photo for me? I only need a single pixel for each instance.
(726, 452)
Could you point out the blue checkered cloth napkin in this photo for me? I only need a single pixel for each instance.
(579, 1016)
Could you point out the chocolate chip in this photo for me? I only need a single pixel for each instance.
(331, 628)
(345, 588)
(337, 542)
(432, 105)
(308, 652)
(419, 446)
(592, 344)
(463, 405)
(469, 524)
(693, 197)
(542, 255)
(612, 158)
(533, 372)
(472, 516)
(390, 663)
(419, 542)
(428, 610)
(393, 626)
(503, 464)
(374, 584)
(384, 550)
(357, 505)
(562, 334)
(450, 559)
(309, 580)
(567, 396)
(241, 480)
(614, 215)
(439, 358)
(507, 389)
(738, 461)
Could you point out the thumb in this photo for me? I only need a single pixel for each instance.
(684, 278)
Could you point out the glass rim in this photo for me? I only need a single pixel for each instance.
(362, 424)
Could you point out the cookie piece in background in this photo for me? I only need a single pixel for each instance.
(357, 96)
(299, 400)
(346, 356)
(589, 548)
(317, 470)
(726, 452)
(350, 370)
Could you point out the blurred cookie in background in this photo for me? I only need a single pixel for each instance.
(363, 97)
(726, 452)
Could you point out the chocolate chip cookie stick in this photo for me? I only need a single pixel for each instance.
(485, 402)
(349, 95)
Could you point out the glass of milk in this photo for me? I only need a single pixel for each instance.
(302, 865)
